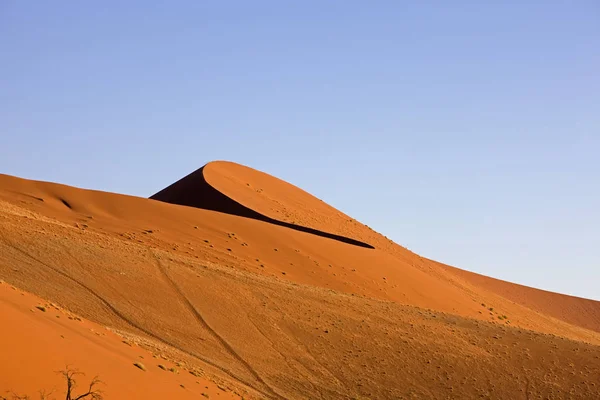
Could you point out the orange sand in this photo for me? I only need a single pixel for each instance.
(269, 289)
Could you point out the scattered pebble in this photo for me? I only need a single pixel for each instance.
(140, 365)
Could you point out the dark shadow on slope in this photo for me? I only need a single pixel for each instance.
(194, 191)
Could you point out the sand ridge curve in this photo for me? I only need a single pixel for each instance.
(193, 190)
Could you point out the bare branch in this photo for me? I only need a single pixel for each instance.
(92, 393)
(44, 395)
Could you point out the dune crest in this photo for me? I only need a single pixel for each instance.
(194, 190)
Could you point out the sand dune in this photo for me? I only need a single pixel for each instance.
(260, 285)
(275, 199)
(193, 190)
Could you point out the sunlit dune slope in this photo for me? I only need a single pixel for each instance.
(283, 306)
(38, 339)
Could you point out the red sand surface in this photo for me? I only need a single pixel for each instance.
(260, 285)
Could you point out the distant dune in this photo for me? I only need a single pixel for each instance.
(262, 289)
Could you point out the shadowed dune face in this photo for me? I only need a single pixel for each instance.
(279, 313)
(194, 191)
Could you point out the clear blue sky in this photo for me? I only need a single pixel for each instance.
(468, 132)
